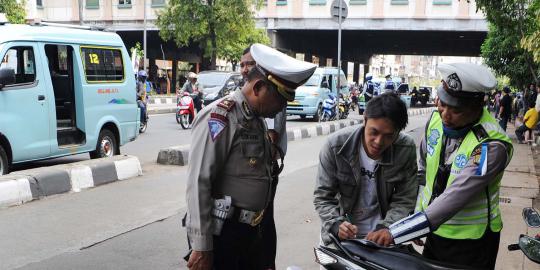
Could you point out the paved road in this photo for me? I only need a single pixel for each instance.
(135, 224)
(162, 132)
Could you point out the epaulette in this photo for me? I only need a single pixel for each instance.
(218, 120)
(227, 104)
(479, 132)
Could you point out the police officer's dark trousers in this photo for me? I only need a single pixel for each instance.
(477, 253)
(269, 236)
(236, 248)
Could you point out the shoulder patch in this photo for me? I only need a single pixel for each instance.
(219, 116)
(216, 127)
(476, 154)
(227, 104)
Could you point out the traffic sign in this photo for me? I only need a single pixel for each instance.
(334, 10)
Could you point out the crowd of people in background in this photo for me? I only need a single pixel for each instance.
(519, 107)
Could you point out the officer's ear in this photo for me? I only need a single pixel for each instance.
(258, 86)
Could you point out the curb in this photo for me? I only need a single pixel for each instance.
(152, 111)
(179, 155)
(320, 129)
(28, 185)
(162, 100)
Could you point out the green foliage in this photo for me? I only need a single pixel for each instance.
(15, 12)
(138, 47)
(531, 42)
(511, 23)
(222, 28)
(501, 51)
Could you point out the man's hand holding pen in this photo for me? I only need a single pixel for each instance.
(347, 230)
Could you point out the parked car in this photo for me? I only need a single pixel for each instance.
(217, 84)
(403, 89)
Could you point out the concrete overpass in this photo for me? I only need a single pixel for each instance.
(422, 27)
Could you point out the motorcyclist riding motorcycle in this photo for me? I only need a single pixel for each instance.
(193, 87)
(141, 94)
(414, 96)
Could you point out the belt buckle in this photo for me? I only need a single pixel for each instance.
(250, 217)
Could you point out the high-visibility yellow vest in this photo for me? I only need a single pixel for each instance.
(471, 221)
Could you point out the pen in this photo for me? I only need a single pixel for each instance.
(347, 218)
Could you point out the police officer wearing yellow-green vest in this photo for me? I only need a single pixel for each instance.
(462, 160)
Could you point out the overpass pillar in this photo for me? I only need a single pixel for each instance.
(356, 72)
(308, 57)
(322, 61)
(345, 67)
(174, 75)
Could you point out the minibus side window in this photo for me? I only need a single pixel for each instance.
(102, 65)
(21, 60)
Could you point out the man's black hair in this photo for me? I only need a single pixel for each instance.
(246, 50)
(388, 105)
(254, 73)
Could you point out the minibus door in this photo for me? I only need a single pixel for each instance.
(24, 103)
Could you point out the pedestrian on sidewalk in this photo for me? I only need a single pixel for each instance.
(462, 158)
(529, 123)
(367, 175)
(277, 133)
(505, 108)
(229, 175)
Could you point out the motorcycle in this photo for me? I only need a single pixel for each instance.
(530, 246)
(144, 123)
(344, 105)
(363, 254)
(414, 98)
(144, 119)
(329, 109)
(185, 110)
(424, 98)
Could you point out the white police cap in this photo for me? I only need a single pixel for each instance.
(462, 81)
(282, 70)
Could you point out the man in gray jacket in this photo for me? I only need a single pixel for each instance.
(367, 175)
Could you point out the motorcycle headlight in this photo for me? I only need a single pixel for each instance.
(323, 258)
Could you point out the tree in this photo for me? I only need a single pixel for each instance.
(221, 28)
(511, 22)
(15, 12)
(531, 42)
(501, 52)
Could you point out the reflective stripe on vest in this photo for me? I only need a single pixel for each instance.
(471, 221)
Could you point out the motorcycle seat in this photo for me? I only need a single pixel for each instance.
(394, 257)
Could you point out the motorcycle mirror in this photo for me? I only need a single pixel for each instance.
(531, 217)
(530, 247)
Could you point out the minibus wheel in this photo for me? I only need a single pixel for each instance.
(4, 162)
(106, 145)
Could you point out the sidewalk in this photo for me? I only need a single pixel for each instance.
(518, 189)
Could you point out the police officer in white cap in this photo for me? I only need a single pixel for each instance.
(368, 88)
(462, 160)
(230, 165)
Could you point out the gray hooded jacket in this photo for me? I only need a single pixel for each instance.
(338, 180)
